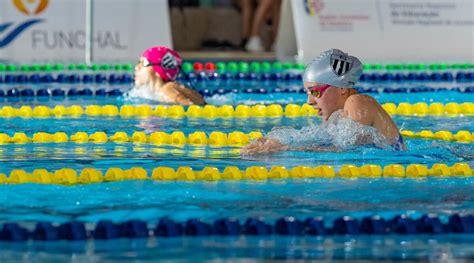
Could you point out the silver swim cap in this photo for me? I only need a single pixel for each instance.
(335, 68)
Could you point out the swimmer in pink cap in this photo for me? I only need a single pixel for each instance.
(157, 70)
(329, 81)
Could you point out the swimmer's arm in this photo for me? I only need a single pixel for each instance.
(317, 149)
(263, 146)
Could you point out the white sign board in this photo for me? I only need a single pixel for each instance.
(384, 30)
(54, 30)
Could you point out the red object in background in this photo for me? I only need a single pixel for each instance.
(197, 66)
(210, 66)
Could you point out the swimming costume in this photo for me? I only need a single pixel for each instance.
(399, 145)
(335, 68)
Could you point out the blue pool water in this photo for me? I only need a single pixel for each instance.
(272, 199)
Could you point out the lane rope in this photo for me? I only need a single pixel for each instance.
(124, 78)
(231, 66)
(226, 111)
(200, 138)
(68, 176)
(287, 226)
(112, 89)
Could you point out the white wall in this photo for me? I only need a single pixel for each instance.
(385, 30)
(122, 29)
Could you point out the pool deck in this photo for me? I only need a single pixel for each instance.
(227, 55)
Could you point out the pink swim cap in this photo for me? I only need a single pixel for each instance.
(165, 61)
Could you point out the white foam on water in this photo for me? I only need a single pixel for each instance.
(339, 131)
(144, 92)
(218, 99)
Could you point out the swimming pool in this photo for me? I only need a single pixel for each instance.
(210, 200)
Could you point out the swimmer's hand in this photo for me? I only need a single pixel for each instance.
(263, 146)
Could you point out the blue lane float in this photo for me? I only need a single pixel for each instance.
(43, 92)
(126, 78)
(23, 85)
(287, 226)
(207, 92)
(121, 79)
(366, 77)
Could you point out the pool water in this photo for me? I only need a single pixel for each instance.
(270, 199)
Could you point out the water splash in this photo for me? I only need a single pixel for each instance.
(144, 92)
(339, 131)
(219, 99)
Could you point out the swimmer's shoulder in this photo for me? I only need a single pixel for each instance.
(360, 101)
(178, 89)
(360, 98)
(170, 85)
(376, 116)
(361, 108)
(174, 86)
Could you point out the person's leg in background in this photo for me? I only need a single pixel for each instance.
(247, 15)
(254, 43)
(275, 22)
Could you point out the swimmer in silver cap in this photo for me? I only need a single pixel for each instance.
(329, 83)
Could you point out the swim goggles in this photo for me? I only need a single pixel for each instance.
(317, 91)
(146, 63)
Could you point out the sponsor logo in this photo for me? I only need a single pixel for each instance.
(341, 64)
(169, 61)
(9, 31)
(313, 7)
(32, 7)
(332, 19)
